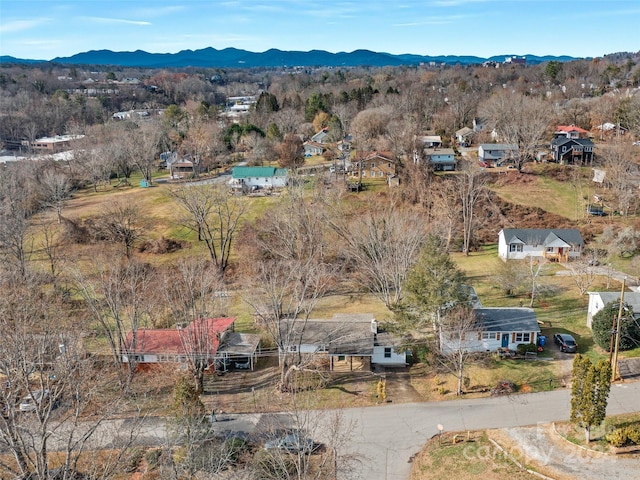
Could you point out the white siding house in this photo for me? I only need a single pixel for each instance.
(495, 328)
(598, 300)
(344, 341)
(557, 244)
(259, 177)
(497, 153)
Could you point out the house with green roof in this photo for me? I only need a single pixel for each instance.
(255, 178)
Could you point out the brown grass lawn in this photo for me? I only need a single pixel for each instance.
(473, 456)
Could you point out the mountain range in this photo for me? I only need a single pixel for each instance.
(236, 58)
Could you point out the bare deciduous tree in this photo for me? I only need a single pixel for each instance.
(42, 358)
(119, 300)
(194, 294)
(457, 328)
(583, 274)
(620, 171)
(56, 190)
(519, 120)
(120, 223)
(471, 187)
(214, 215)
(290, 276)
(384, 245)
(93, 165)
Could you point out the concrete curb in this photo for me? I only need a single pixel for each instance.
(555, 431)
(520, 466)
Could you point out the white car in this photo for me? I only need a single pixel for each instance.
(31, 401)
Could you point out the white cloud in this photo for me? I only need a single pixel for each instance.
(117, 20)
(21, 25)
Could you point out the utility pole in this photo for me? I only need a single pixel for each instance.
(614, 364)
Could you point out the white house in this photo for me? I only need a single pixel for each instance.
(495, 328)
(497, 153)
(554, 244)
(345, 342)
(598, 300)
(431, 141)
(464, 136)
(313, 148)
(258, 177)
(321, 136)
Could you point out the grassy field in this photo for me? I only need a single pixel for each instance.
(553, 188)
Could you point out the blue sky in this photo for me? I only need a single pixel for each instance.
(45, 29)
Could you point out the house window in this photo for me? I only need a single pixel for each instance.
(523, 337)
(364, 174)
(389, 165)
(387, 352)
(293, 348)
(380, 174)
(373, 174)
(550, 249)
(515, 247)
(373, 165)
(488, 335)
(341, 358)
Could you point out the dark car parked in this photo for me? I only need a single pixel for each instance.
(566, 342)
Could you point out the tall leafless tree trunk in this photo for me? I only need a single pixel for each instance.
(290, 276)
(119, 300)
(42, 356)
(214, 215)
(457, 328)
(471, 187)
(194, 294)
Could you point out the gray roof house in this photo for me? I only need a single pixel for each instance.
(496, 153)
(464, 135)
(597, 301)
(441, 159)
(555, 244)
(495, 328)
(345, 341)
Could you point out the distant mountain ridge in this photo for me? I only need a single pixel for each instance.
(236, 58)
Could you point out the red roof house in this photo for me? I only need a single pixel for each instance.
(202, 337)
(571, 131)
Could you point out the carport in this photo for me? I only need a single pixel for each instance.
(240, 346)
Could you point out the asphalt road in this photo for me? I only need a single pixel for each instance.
(387, 437)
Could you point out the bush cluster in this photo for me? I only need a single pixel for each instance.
(624, 436)
(526, 347)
